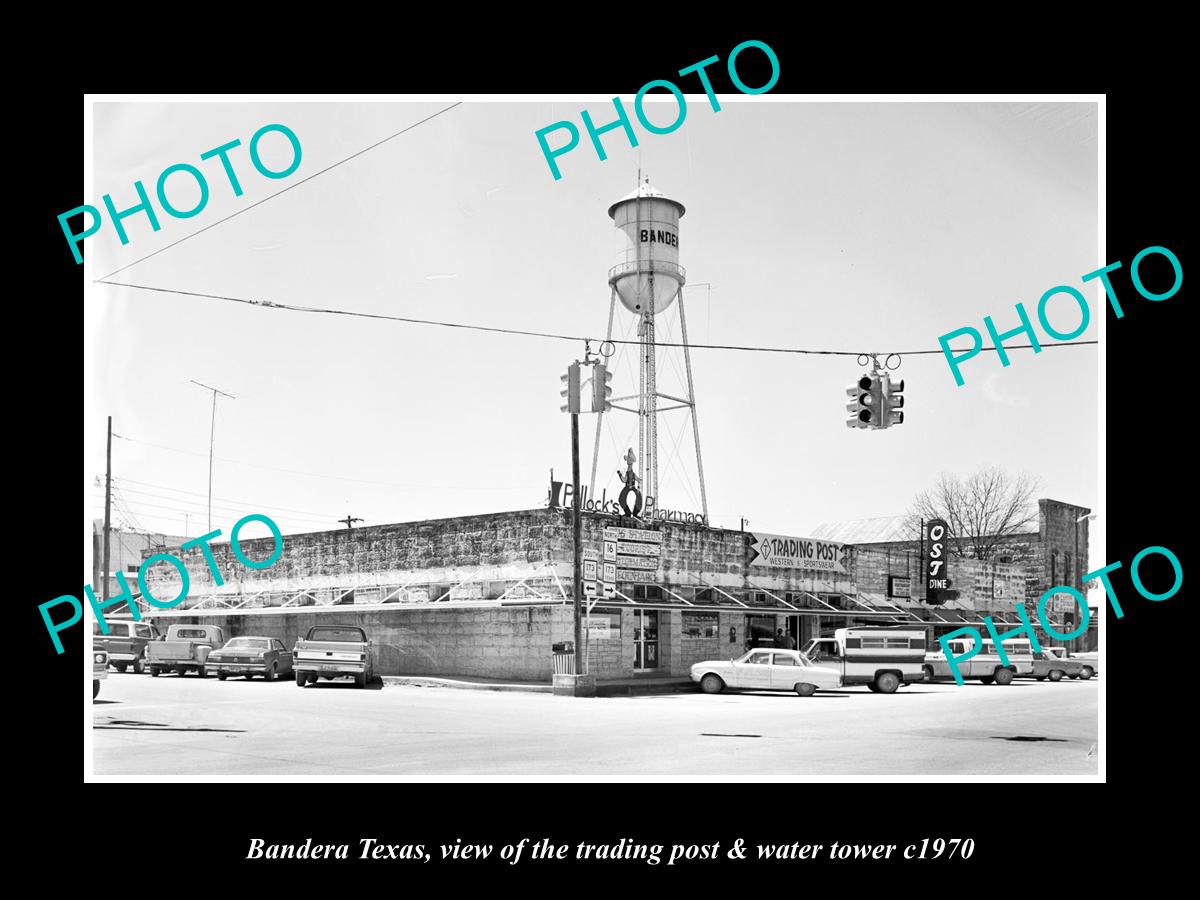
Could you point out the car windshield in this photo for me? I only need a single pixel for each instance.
(249, 643)
(191, 633)
(336, 633)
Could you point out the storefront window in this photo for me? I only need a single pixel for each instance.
(700, 625)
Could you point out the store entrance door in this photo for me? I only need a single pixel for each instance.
(645, 640)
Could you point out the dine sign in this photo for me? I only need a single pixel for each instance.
(935, 559)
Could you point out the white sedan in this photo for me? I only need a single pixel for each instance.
(766, 670)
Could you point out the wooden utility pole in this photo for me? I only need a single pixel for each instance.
(107, 507)
(577, 578)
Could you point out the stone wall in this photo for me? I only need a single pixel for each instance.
(494, 643)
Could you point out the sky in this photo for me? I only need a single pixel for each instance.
(829, 226)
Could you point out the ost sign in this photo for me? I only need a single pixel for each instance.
(797, 553)
(935, 558)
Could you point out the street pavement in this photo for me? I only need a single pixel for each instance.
(186, 726)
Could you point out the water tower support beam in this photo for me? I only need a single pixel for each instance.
(687, 359)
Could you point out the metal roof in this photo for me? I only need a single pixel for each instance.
(646, 190)
(882, 530)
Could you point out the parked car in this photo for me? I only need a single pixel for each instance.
(1051, 665)
(99, 669)
(882, 658)
(251, 656)
(185, 648)
(764, 669)
(126, 643)
(1090, 660)
(332, 651)
(984, 666)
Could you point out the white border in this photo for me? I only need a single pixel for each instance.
(1097, 538)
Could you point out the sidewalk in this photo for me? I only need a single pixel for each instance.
(618, 687)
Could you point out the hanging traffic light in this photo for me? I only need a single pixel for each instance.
(570, 391)
(890, 413)
(601, 388)
(865, 401)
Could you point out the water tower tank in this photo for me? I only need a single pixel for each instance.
(647, 274)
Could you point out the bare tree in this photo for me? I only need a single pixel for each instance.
(981, 510)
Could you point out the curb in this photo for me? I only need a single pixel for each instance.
(418, 681)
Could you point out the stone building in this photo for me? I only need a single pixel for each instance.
(490, 595)
(1023, 567)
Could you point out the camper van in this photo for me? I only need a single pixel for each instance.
(881, 658)
(985, 665)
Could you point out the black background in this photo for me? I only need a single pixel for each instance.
(1025, 834)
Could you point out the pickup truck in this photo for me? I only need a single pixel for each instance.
(186, 647)
(330, 651)
(882, 658)
(984, 666)
(125, 642)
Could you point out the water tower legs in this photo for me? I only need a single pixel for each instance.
(687, 360)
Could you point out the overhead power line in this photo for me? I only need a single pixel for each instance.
(395, 484)
(270, 304)
(291, 186)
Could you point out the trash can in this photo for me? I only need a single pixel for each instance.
(564, 658)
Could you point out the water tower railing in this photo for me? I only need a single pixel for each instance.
(673, 270)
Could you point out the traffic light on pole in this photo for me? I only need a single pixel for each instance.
(892, 401)
(570, 391)
(865, 395)
(601, 388)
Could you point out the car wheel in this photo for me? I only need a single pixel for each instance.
(987, 679)
(301, 679)
(270, 673)
(806, 690)
(712, 684)
(181, 671)
(221, 676)
(1056, 675)
(928, 674)
(1005, 676)
(202, 672)
(95, 689)
(1087, 673)
(887, 682)
(154, 671)
(120, 667)
(360, 680)
(138, 666)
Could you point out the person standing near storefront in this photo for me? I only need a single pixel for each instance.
(784, 641)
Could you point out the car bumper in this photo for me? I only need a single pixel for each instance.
(330, 668)
(237, 668)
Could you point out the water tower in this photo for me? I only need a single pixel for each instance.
(647, 279)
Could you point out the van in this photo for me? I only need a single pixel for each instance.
(984, 666)
(882, 658)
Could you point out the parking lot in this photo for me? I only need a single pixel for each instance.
(187, 726)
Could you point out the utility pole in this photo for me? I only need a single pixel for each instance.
(350, 520)
(577, 524)
(211, 439)
(107, 507)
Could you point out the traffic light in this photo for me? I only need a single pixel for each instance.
(570, 391)
(892, 401)
(601, 388)
(866, 396)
